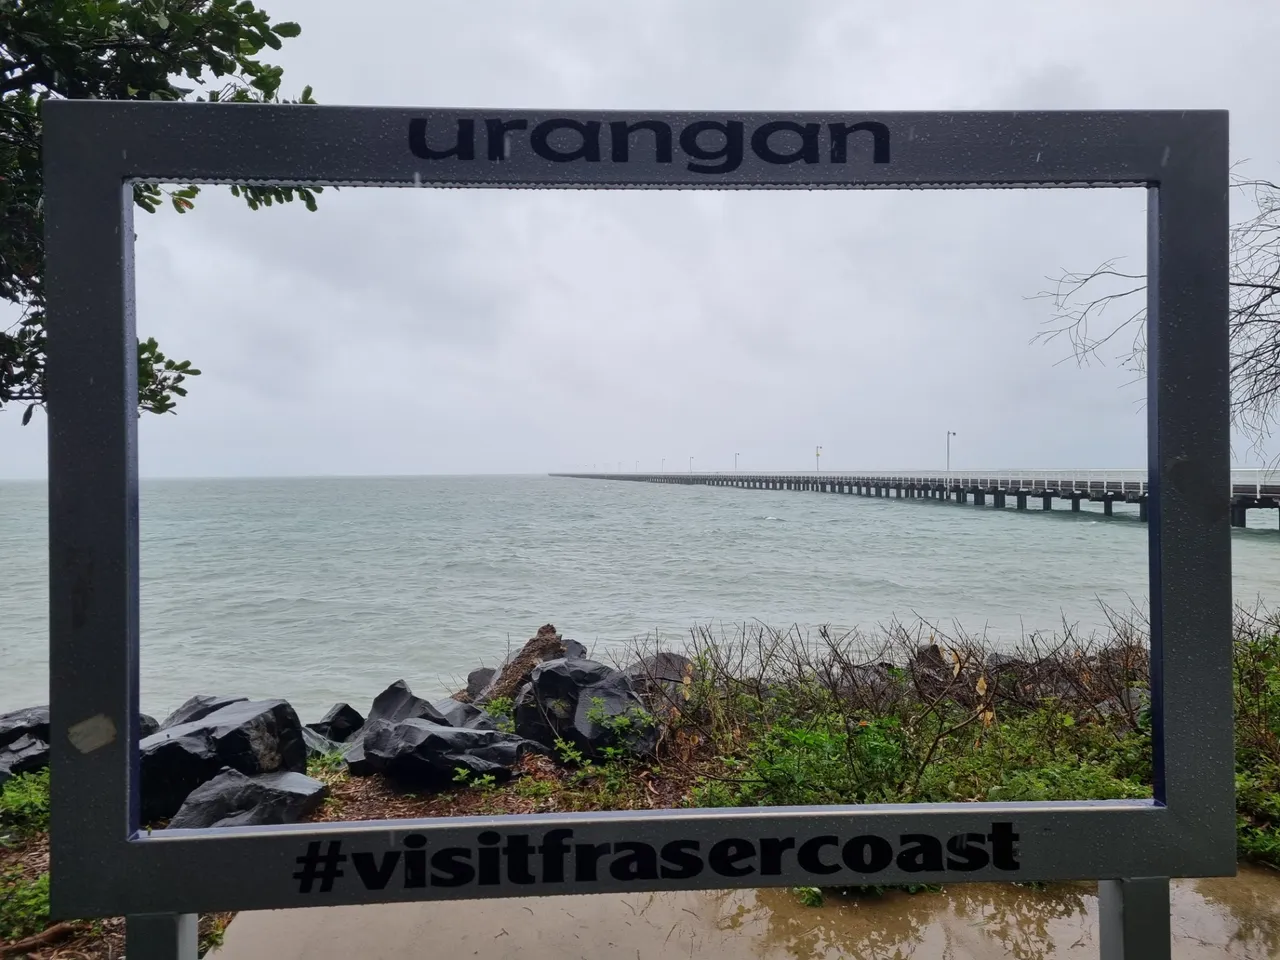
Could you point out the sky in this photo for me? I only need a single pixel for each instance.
(417, 332)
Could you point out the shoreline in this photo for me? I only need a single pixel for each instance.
(772, 719)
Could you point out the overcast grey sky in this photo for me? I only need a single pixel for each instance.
(450, 332)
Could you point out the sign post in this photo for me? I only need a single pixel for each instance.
(103, 864)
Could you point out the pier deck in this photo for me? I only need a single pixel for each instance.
(1250, 489)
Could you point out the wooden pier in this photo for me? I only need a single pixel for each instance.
(1250, 489)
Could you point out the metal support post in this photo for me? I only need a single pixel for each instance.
(1133, 919)
(162, 936)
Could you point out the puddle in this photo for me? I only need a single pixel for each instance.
(1236, 918)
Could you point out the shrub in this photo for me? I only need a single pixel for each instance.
(24, 804)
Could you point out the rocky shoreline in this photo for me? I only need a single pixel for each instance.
(220, 761)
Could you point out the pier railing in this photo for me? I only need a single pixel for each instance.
(1246, 482)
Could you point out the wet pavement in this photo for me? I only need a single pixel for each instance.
(1236, 918)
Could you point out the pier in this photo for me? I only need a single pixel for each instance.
(1250, 489)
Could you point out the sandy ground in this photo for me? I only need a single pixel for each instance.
(1237, 918)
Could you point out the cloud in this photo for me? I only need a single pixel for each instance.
(456, 331)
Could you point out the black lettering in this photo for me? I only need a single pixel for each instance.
(1002, 840)
(498, 135)
(730, 152)
(490, 859)
(808, 150)
(415, 861)
(967, 852)
(726, 855)
(771, 850)
(639, 861)
(684, 860)
(464, 147)
(375, 877)
(585, 858)
(868, 854)
(920, 853)
(840, 140)
(518, 850)
(807, 855)
(620, 133)
(588, 149)
(450, 869)
(553, 852)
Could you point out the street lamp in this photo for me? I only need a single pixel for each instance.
(663, 468)
(950, 434)
(735, 463)
(691, 466)
(637, 466)
(817, 453)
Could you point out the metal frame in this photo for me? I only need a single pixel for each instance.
(103, 864)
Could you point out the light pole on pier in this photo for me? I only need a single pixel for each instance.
(637, 466)
(817, 453)
(950, 434)
(663, 468)
(619, 466)
(735, 463)
(691, 466)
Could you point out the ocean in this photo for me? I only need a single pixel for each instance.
(319, 590)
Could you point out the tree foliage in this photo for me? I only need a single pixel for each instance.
(1107, 304)
(113, 50)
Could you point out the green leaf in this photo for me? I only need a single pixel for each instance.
(288, 29)
(26, 416)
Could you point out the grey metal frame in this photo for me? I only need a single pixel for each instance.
(103, 865)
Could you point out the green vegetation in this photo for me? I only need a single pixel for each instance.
(1257, 695)
(503, 711)
(24, 904)
(326, 765)
(24, 816)
(24, 806)
(792, 723)
(114, 50)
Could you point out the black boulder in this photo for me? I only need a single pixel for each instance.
(419, 752)
(252, 736)
(232, 799)
(339, 723)
(31, 721)
(197, 708)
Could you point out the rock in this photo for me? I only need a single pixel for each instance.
(32, 721)
(233, 800)
(610, 714)
(359, 762)
(565, 678)
(419, 752)
(397, 703)
(929, 656)
(339, 724)
(544, 707)
(253, 737)
(573, 650)
(542, 723)
(477, 680)
(197, 708)
(547, 645)
(318, 745)
(1131, 702)
(27, 754)
(147, 726)
(1000, 663)
(467, 715)
(659, 679)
